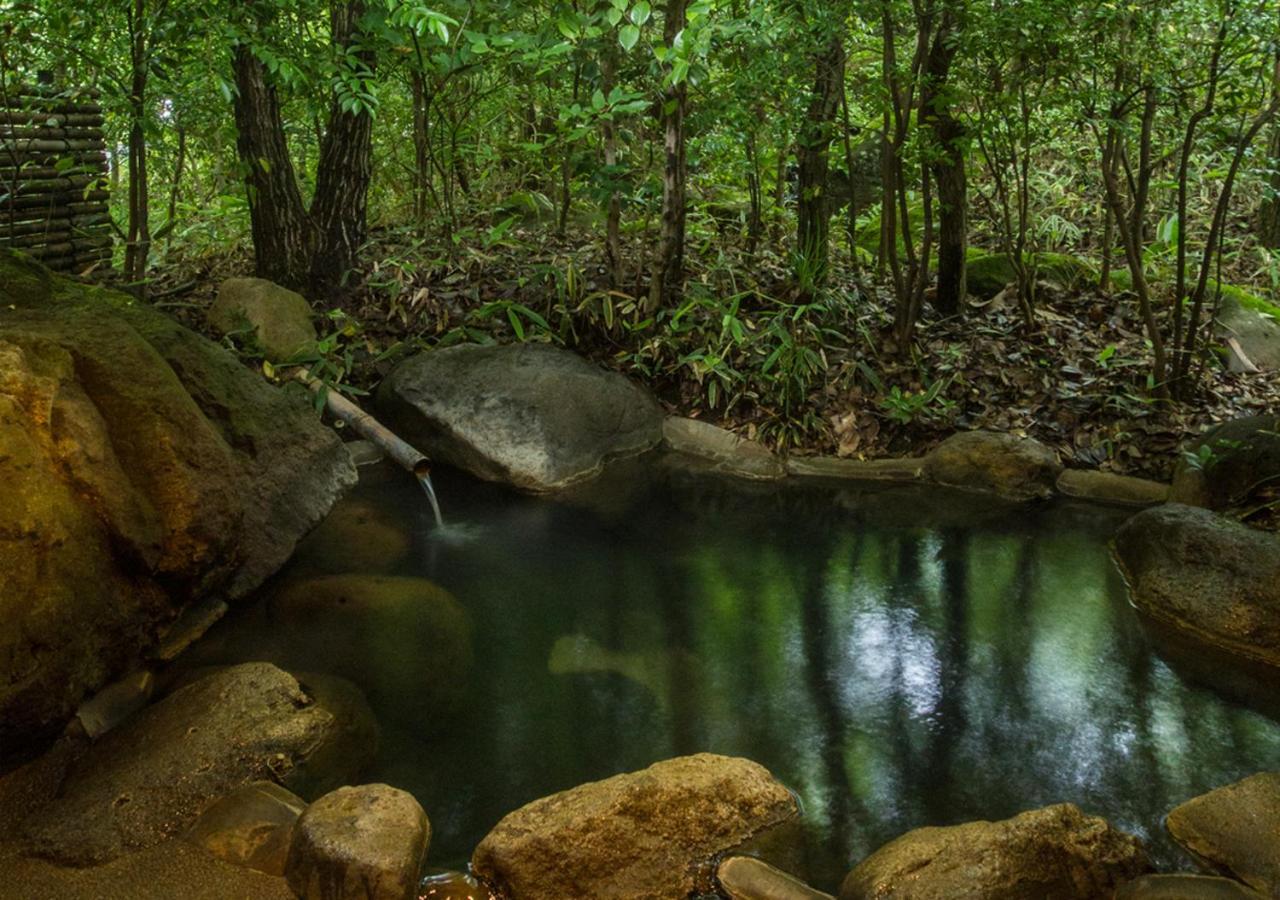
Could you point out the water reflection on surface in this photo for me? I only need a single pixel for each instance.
(898, 657)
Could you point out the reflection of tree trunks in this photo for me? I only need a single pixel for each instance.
(1015, 655)
(682, 679)
(953, 668)
(908, 584)
(819, 670)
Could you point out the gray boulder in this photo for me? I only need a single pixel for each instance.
(1209, 578)
(279, 319)
(1054, 853)
(530, 415)
(144, 469)
(1235, 831)
(359, 843)
(644, 835)
(1255, 329)
(150, 779)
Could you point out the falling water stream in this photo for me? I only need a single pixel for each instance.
(428, 488)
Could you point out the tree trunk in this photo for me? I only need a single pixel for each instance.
(138, 245)
(175, 186)
(339, 208)
(421, 151)
(283, 234)
(813, 212)
(613, 215)
(1269, 210)
(666, 283)
(948, 166)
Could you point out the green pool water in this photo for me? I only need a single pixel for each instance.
(897, 656)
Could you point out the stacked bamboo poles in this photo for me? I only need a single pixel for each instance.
(53, 167)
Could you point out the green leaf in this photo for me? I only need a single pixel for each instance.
(628, 36)
(640, 13)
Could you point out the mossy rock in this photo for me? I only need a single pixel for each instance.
(145, 469)
(867, 236)
(988, 273)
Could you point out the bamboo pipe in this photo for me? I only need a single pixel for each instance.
(400, 451)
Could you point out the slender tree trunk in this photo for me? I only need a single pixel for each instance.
(613, 212)
(175, 186)
(421, 150)
(948, 167)
(1269, 209)
(666, 284)
(340, 206)
(138, 246)
(813, 212)
(283, 234)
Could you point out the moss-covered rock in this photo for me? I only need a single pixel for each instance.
(987, 273)
(145, 468)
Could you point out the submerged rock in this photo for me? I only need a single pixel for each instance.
(646, 834)
(1235, 831)
(404, 640)
(1210, 578)
(144, 468)
(747, 878)
(278, 319)
(1054, 853)
(1013, 467)
(252, 826)
(530, 415)
(447, 885)
(1185, 887)
(150, 779)
(357, 536)
(359, 843)
(1224, 467)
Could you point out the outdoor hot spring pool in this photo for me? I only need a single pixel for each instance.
(897, 656)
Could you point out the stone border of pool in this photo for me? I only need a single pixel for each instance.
(1016, 468)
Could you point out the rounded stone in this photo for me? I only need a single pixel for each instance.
(748, 878)
(1054, 853)
(530, 415)
(1014, 467)
(647, 834)
(279, 319)
(1226, 466)
(359, 843)
(1235, 830)
(357, 536)
(250, 827)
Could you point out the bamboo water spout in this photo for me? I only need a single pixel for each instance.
(397, 449)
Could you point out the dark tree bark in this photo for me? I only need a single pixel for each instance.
(314, 249)
(948, 168)
(666, 284)
(1269, 210)
(341, 202)
(138, 245)
(613, 215)
(813, 212)
(283, 233)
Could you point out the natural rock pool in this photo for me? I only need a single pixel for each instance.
(899, 656)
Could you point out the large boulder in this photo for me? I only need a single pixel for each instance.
(646, 835)
(530, 415)
(1014, 467)
(1235, 831)
(279, 319)
(1255, 326)
(1229, 465)
(1054, 853)
(359, 843)
(151, 778)
(144, 469)
(1209, 578)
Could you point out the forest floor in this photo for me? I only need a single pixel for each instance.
(805, 376)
